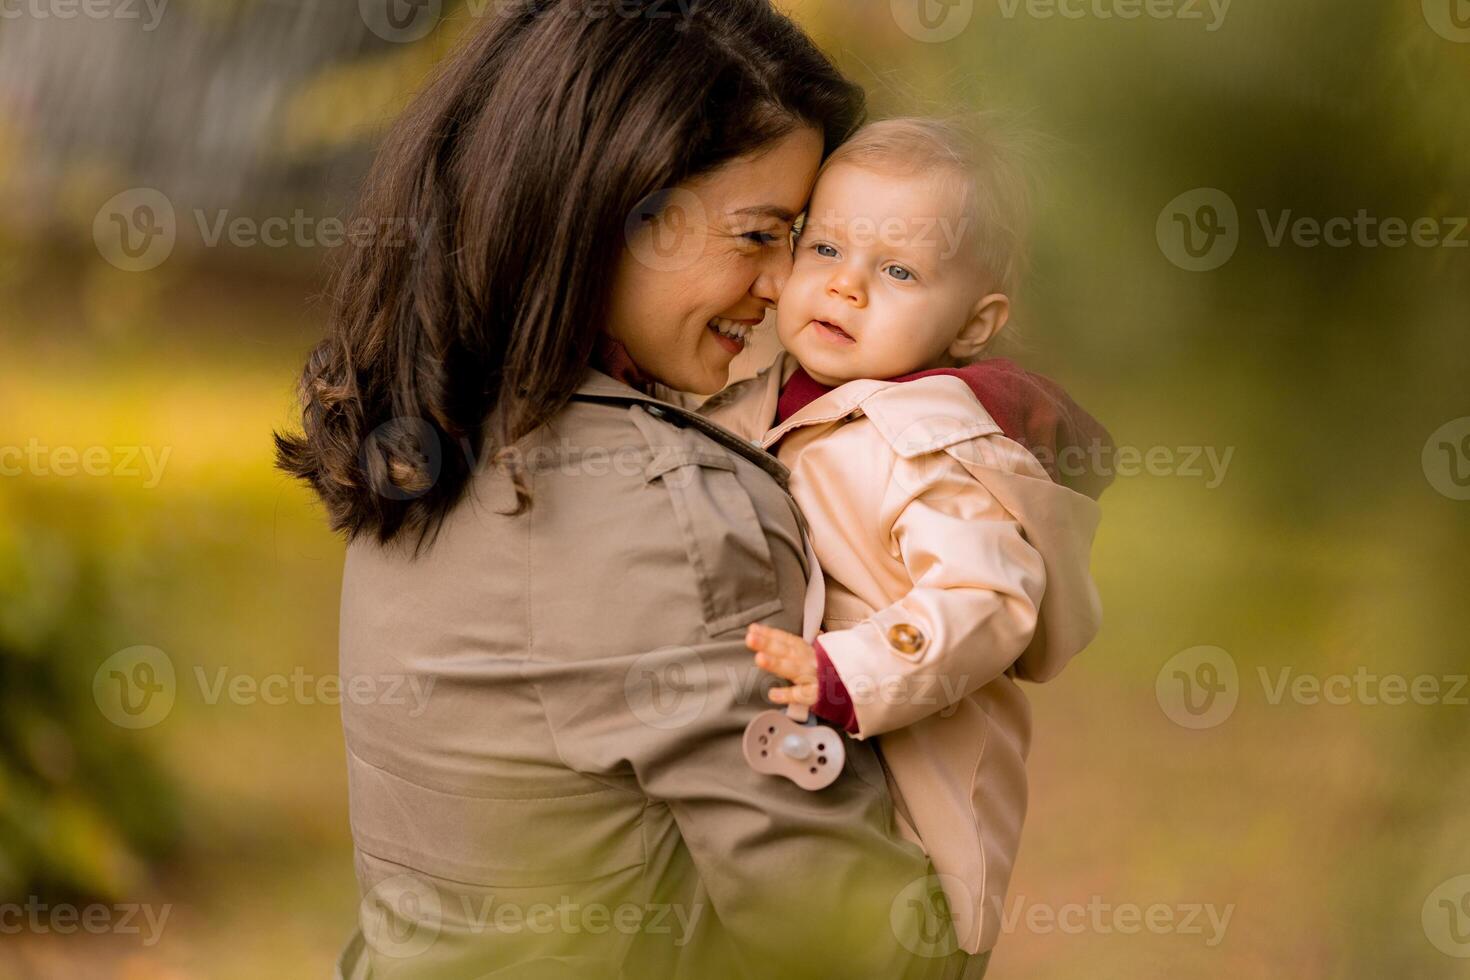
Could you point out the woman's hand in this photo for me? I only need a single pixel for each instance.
(787, 656)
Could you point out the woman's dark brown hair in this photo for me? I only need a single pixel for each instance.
(515, 172)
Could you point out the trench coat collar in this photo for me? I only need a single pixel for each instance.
(601, 387)
(935, 412)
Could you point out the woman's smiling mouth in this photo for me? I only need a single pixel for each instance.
(732, 334)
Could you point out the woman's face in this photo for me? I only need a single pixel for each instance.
(696, 278)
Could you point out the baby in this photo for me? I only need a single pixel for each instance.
(953, 537)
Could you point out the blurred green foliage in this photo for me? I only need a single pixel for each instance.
(84, 808)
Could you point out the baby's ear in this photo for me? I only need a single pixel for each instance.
(987, 319)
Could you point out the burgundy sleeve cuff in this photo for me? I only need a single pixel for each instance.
(834, 704)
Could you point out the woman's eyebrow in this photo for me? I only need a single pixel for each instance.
(766, 211)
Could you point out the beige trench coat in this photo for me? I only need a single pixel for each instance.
(546, 778)
(954, 567)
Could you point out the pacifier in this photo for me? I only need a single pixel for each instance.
(790, 743)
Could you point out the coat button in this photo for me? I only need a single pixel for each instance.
(905, 638)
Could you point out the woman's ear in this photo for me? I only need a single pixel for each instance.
(987, 319)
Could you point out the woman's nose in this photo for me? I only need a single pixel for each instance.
(774, 272)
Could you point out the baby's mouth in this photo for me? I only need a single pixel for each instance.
(833, 332)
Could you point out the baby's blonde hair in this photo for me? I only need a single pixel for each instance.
(989, 155)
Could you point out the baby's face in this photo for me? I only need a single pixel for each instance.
(883, 281)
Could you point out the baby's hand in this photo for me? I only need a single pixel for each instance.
(787, 656)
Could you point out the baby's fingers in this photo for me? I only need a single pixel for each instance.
(774, 642)
(782, 668)
(796, 694)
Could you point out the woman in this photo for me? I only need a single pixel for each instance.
(562, 565)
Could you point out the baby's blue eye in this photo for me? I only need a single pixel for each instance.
(900, 273)
(825, 251)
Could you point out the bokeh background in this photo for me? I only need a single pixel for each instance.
(153, 319)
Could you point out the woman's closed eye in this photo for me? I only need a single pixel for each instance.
(764, 238)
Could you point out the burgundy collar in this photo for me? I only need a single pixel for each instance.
(1029, 408)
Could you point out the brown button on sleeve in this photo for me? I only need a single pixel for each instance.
(905, 638)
